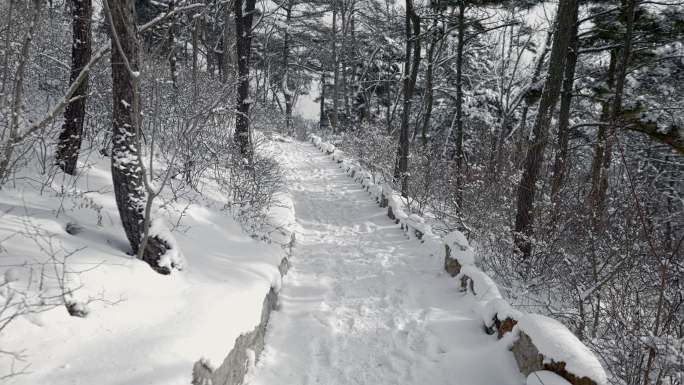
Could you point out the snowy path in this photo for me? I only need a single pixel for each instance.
(364, 305)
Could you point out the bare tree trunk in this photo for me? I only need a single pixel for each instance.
(560, 163)
(243, 30)
(336, 70)
(286, 69)
(355, 75)
(497, 140)
(346, 15)
(172, 44)
(227, 53)
(412, 24)
(72, 131)
(195, 51)
(388, 111)
(535, 153)
(603, 153)
(322, 115)
(459, 104)
(127, 167)
(602, 144)
(522, 129)
(428, 84)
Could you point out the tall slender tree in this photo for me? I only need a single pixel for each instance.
(287, 92)
(336, 69)
(459, 155)
(74, 115)
(611, 113)
(127, 166)
(243, 11)
(561, 159)
(565, 21)
(411, 64)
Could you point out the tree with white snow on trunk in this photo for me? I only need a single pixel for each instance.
(244, 14)
(72, 131)
(128, 170)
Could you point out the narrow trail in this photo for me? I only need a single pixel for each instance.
(365, 305)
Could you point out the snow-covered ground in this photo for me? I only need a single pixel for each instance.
(362, 305)
(143, 328)
(365, 305)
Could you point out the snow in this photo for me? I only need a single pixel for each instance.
(484, 287)
(282, 219)
(173, 257)
(11, 275)
(557, 343)
(395, 201)
(142, 327)
(459, 247)
(338, 155)
(363, 304)
(499, 308)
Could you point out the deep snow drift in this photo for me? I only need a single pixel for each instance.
(365, 305)
(143, 328)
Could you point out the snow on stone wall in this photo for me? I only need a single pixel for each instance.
(248, 346)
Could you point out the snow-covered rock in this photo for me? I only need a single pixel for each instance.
(499, 309)
(459, 248)
(479, 283)
(557, 344)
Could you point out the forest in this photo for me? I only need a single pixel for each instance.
(549, 133)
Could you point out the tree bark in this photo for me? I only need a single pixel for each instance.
(127, 167)
(428, 84)
(71, 135)
(535, 153)
(522, 128)
(617, 73)
(322, 115)
(286, 64)
(346, 14)
(172, 44)
(227, 56)
(412, 24)
(336, 70)
(459, 104)
(195, 52)
(243, 30)
(560, 162)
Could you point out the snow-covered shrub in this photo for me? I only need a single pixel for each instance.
(252, 187)
(373, 148)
